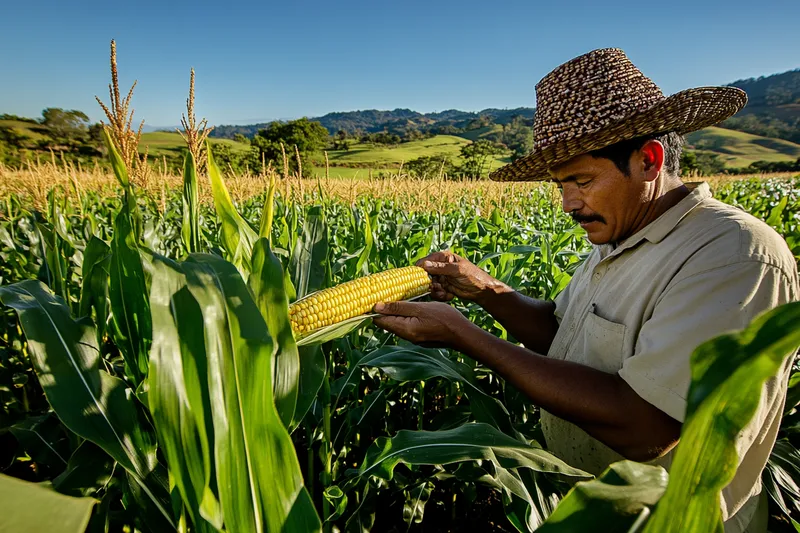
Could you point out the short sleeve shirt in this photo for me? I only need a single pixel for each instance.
(703, 268)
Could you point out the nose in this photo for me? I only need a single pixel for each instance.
(570, 200)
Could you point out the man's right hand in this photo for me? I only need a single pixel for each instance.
(455, 276)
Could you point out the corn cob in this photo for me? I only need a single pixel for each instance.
(356, 297)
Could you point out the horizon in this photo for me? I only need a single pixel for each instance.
(255, 64)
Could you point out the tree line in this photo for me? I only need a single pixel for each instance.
(72, 137)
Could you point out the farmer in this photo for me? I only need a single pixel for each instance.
(671, 267)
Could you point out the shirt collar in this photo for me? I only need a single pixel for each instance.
(657, 230)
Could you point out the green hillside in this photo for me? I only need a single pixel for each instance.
(166, 143)
(377, 156)
(738, 149)
(474, 135)
(160, 142)
(350, 173)
(31, 130)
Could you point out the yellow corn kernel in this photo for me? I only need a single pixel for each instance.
(357, 297)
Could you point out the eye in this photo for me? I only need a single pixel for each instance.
(582, 184)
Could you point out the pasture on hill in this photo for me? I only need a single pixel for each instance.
(738, 149)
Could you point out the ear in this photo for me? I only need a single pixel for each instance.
(652, 159)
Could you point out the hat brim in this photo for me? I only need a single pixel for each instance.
(682, 112)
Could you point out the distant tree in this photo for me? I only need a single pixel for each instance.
(7, 116)
(309, 137)
(701, 163)
(227, 159)
(67, 127)
(446, 129)
(477, 154)
(430, 167)
(517, 136)
(239, 138)
(483, 121)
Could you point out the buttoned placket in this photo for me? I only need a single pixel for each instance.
(598, 273)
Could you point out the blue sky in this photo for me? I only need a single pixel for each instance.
(257, 61)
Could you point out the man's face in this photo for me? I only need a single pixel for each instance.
(608, 204)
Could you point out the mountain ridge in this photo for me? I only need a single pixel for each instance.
(773, 110)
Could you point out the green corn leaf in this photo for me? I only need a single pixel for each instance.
(43, 438)
(190, 229)
(178, 398)
(265, 230)
(334, 331)
(266, 284)
(469, 442)
(728, 373)
(310, 254)
(30, 507)
(362, 266)
(121, 173)
(88, 470)
(258, 474)
(117, 164)
(130, 307)
(236, 235)
(54, 267)
(313, 369)
(620, 499)
(781, 479)
(89, 401)
(413, 363)
(94, 290)
(531, 496)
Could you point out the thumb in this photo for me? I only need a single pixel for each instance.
(396, 308)
(440, 269)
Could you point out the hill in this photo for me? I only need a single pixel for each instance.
(165, 143)
(395, 121)
(739, 149)
(773, 106)
(773, 110)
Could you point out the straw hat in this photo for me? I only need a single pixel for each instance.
(601, 98)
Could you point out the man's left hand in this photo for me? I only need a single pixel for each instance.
(431, 324)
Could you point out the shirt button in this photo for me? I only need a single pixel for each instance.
(597, 276)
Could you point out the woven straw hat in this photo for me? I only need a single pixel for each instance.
(601, 98)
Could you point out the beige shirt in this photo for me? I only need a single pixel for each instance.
(701, 269)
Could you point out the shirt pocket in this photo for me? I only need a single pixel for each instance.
(603, 343)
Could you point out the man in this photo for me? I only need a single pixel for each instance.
(608, 360)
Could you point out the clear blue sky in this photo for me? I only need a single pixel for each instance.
(262, 60)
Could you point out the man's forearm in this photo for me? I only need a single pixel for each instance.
(601, 404)
(528, 320)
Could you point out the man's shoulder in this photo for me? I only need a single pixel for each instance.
(733, 235)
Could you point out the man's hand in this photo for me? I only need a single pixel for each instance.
(431, 324)
(455, 276)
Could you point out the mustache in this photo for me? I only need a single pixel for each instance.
(587, 218)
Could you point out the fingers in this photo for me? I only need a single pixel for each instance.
(445, 256)
(438, 292)
(440, 268)
(407, 309)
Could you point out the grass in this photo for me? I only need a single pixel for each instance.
(440, 145)
(167, 143)
(738, 149)
(29, 129)
(350, 173)
(363, 154)
(480, 133)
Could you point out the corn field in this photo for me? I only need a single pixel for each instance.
(151, 382)
(151, 379)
